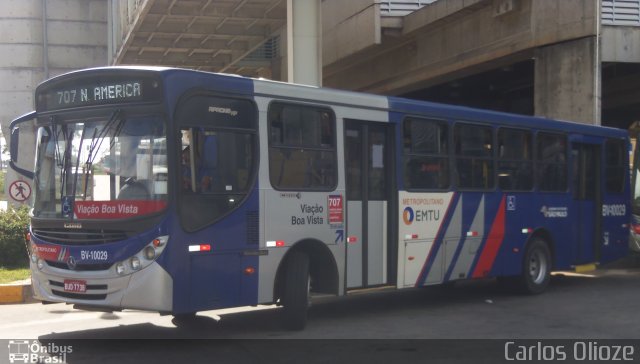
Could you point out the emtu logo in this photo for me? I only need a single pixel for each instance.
(408, 215)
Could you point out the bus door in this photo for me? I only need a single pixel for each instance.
(587, 186)
(367, 162)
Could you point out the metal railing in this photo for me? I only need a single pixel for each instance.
(401, 8)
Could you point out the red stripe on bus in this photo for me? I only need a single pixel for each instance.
(494, 241)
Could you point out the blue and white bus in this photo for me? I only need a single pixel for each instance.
(180, 191)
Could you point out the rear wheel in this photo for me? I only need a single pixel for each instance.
(295, 297)
(536, 268)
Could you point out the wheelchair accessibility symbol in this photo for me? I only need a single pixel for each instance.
(20, 191)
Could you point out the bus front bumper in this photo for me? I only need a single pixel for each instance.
(149, 289)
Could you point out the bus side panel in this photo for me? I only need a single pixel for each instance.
(449, 236)
(615, 227)
(516, 224)
(213, 279)
(205, 280)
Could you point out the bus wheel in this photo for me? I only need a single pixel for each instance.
(536, 270)
(295, 298)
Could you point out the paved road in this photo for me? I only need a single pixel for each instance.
(603, 305)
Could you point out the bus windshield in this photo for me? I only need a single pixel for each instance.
(101, 168)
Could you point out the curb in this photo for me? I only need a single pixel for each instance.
(19, 292)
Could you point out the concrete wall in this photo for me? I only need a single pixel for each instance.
(620, 44)
(75, 38)
(349, 27)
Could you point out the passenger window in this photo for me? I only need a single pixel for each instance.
(474, 156)
(515, 160)
(302, 150)
(551, 162)
(426, 158)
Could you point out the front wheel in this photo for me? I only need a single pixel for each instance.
(536, 268)
(295, 298)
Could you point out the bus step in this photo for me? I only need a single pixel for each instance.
(585, 268)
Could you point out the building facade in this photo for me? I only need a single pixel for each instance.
(41, 39)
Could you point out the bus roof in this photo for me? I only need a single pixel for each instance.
(266, 87)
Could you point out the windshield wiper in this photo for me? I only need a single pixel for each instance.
(65, 157)
(96, 143)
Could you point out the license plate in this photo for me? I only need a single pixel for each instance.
(74, 285)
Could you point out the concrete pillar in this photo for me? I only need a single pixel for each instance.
(567, 81)
(304, 42)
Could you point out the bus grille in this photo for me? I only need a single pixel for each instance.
(79, 267)
(80, 237)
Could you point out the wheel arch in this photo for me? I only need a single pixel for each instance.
(323, 268)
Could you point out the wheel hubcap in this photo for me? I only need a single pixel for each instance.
(537, 267)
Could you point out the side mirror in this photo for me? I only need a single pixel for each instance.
(15, 143)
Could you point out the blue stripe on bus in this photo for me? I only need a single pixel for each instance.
(433, 253)
(471, 206)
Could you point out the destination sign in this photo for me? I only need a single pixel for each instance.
(102, 91)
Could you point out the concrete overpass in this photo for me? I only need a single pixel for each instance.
(201, 34)
(575, 59)
(570, 59)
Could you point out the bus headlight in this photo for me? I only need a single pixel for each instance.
(120, 268)
(143, 258)
(135, 263)
(40, 264)
(150, 253)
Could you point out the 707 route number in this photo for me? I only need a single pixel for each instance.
(94, 255)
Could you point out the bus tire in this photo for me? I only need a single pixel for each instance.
(295, 298)
(536, 268)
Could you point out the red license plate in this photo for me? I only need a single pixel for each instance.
(75, 285)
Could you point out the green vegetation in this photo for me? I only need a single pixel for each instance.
(13, 227)
(12, 275)
(2, 196)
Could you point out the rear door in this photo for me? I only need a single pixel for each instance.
(368, 158)
(587, 195)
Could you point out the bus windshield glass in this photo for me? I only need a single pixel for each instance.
(109, 167)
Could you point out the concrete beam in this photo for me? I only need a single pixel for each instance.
(352, 27)
(567, 77)
(449, 39)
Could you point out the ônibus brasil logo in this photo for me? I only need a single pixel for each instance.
(25, 351)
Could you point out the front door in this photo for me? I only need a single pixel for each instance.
(587, 186)
(367, 163)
